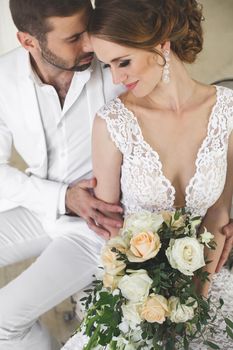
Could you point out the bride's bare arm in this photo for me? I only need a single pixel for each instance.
(218, 216)
(107, 161)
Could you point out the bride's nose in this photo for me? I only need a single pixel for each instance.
(118, 76)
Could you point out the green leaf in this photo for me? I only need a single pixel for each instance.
(113, 345)
(170, 344)
(93, 340)
(157, 347)
(221, 301)
(229, 322)
(229, 332)
(186, 344)
(211, 345)
(179, 328)
(177, 215)
(83, 299)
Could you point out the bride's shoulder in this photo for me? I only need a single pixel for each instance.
(225, 105)
(114, 109)
(215, 92)
(220, 98)
(225, 96)
(225, 101)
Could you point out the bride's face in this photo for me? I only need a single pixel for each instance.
(139, 70)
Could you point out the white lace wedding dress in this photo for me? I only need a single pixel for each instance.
(145, 187)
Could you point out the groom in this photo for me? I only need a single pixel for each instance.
(50, 89)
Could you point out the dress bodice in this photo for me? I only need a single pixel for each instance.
(144, 187)
(143, 184)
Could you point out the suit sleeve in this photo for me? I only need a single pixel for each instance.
(39, 195)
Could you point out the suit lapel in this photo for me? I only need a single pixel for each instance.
(31, 119)
(95, 91)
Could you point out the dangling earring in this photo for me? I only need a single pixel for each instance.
(166, 71)
(93, 4)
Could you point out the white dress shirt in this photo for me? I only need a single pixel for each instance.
(67, 131)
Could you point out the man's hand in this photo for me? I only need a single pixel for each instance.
(228, 232)
(80, 201)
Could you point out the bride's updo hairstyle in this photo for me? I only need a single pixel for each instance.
(144, 24)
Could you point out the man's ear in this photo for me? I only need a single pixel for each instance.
(28, 41)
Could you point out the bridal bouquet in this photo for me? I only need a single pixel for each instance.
(146, 298)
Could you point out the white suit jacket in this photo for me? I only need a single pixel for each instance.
(21, 124)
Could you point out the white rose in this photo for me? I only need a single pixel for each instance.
(180, 313)
(186, 255)
(206, 237)
(135, 287)
(145, 221)
(121, 341)
(130, 347)
(131, 314)
(124, 326)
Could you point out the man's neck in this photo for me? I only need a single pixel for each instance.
(58, 78)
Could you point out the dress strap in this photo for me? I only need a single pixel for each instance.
(120, 125)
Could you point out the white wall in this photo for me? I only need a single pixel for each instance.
(8, 31)
(215, 62)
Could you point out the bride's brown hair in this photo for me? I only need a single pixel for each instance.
(144, 24)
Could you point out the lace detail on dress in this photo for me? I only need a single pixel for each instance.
(143, 184)
(221, 286)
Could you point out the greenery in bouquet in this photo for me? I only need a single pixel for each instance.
(147, 298)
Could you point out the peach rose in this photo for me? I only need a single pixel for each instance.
(111, 264)
(155, 309)
(118, 243)
(143, 246)
(111, 281)
(169, 218)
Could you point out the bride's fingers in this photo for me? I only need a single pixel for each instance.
(225, 253)
(228, 230)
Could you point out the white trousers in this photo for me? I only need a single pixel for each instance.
(65, 265)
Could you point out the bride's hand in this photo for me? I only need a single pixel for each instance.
(228, 232)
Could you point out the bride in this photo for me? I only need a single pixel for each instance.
(167, 141)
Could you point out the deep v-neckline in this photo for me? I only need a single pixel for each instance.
(156, 153)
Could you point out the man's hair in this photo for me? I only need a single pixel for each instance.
(31, 16)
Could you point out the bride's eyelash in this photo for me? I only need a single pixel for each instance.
(124, 63)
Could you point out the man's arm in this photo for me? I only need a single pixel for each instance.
(42, 196)
(30, 191)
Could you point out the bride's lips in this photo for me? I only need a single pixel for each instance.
(131, 86)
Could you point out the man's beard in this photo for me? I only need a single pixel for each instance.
(58, 62)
